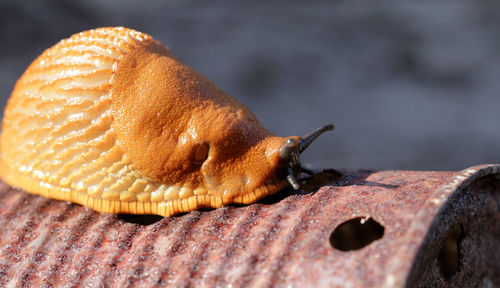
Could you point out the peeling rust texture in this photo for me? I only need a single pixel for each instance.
(281, 241)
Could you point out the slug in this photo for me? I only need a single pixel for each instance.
(111, 120)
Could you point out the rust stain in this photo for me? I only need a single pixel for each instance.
(281, 241)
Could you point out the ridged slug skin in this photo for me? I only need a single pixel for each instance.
(109, 119)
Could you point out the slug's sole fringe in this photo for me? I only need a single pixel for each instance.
(163, 208)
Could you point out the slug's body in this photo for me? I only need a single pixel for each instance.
(109, 119)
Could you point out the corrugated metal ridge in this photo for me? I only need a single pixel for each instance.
(282, 241)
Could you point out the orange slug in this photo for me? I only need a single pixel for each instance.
(110, 119)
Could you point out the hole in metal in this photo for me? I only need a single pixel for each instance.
(140, 219)
(449, 254)
(356, 233)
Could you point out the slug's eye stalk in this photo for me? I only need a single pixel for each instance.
(289, 154)
(309, 138)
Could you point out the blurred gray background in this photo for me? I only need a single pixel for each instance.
(408, 85)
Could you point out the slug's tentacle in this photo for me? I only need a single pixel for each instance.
(309, 138)
(291, 179)
(289, 154)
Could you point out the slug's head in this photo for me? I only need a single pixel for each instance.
(244, 158)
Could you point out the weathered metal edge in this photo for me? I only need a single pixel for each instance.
(428, 220)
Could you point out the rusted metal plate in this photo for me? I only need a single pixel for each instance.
(285, 240)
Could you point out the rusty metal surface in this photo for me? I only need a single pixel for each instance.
(281, 241)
